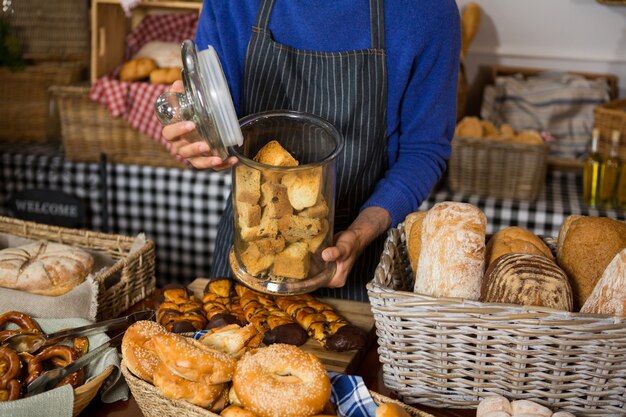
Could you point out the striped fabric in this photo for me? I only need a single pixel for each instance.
(349, 89)
(559, 103)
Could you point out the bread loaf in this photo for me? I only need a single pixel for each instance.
(530, 407)
(44, 268)
(585, 248)
(452, 260)
(531, 280)
(493, 404)
(609, 294)
(515, 239)
(413, 232)
(165, 75)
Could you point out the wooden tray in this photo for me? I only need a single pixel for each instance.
(357, 313)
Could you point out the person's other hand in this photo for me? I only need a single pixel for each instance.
(345, 253)
(349, 244)
(195, 152)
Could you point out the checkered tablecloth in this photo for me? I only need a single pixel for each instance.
(180, 209)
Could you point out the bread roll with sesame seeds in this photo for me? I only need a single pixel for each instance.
(281, 381)
(138, 349)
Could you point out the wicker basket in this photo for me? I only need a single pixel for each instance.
(25, 100)
(128, 281)
(52, 30)
(610, 117)
(153, 404)
(88, 130)
(86, 392)
(499, 169)
(451, 353)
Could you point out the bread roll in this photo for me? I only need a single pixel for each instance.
(44, 268)
(496, 403)
(165, 75)
(531, 280)
(609, 294)
(563, 414)
(586, 246)
(137, 69)
(515, 239)
(529, 407)
(452, 259)
(413, 232)
(391, 410)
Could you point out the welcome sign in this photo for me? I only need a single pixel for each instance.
(48, 206)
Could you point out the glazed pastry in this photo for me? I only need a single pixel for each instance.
(323, 323)
(219, 305)
(180, 311)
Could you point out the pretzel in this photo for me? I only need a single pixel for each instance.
(59, 355)
(274, 324)
(219, 304)
(25, 323)
(180, 311)
(323, 323)
(10, 365)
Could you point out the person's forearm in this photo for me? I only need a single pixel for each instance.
(369, 224)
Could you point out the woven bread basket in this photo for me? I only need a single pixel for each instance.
(499, 169)
(153, 404)
(86, 392)
(609, 117)
(129, 280)
(445, 352)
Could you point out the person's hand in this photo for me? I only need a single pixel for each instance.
(196, 153)
(349, 244)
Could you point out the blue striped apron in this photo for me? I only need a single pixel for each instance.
(349, 89)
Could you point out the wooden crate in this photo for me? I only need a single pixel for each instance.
(110, 27)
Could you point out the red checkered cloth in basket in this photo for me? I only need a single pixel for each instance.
(134, 101)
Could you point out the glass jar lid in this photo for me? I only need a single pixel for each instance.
(206, 100)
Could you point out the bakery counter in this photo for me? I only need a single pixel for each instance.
(369, 368)
(180, 208)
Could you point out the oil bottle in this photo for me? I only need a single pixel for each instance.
(620, 192)
(609, 173)
(592, 171)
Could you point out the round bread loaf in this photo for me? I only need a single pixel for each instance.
(515, 239)
(531, 280)
(586, 246)
(413, 232)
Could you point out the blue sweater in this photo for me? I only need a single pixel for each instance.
(422, 53)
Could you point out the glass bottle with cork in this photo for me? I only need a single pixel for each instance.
(609, 173)
(592, 172)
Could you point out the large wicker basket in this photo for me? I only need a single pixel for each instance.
(128, 281)
(452, 353)
(26, 105)
(153, 404)
(499, 169)
(88, 130)
(610, 117)
(51, 30)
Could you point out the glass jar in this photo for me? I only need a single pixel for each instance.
(283, 215)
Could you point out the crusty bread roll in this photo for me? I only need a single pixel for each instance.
(452, 259)
(530, 407)
(137, 69)
(586, 246)
(272, 153)
(515, 239)
(496, 403)
(563, 414)
(609, 294)
(524, 279)
(391, 410)
(413, 232)
(165, 75)
(44, 268)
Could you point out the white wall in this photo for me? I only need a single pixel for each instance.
(575, 35)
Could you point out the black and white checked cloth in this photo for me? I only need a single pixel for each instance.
(180, 209)
(560, 197)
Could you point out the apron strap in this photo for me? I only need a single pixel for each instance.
(377, 20)
(377, 24)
